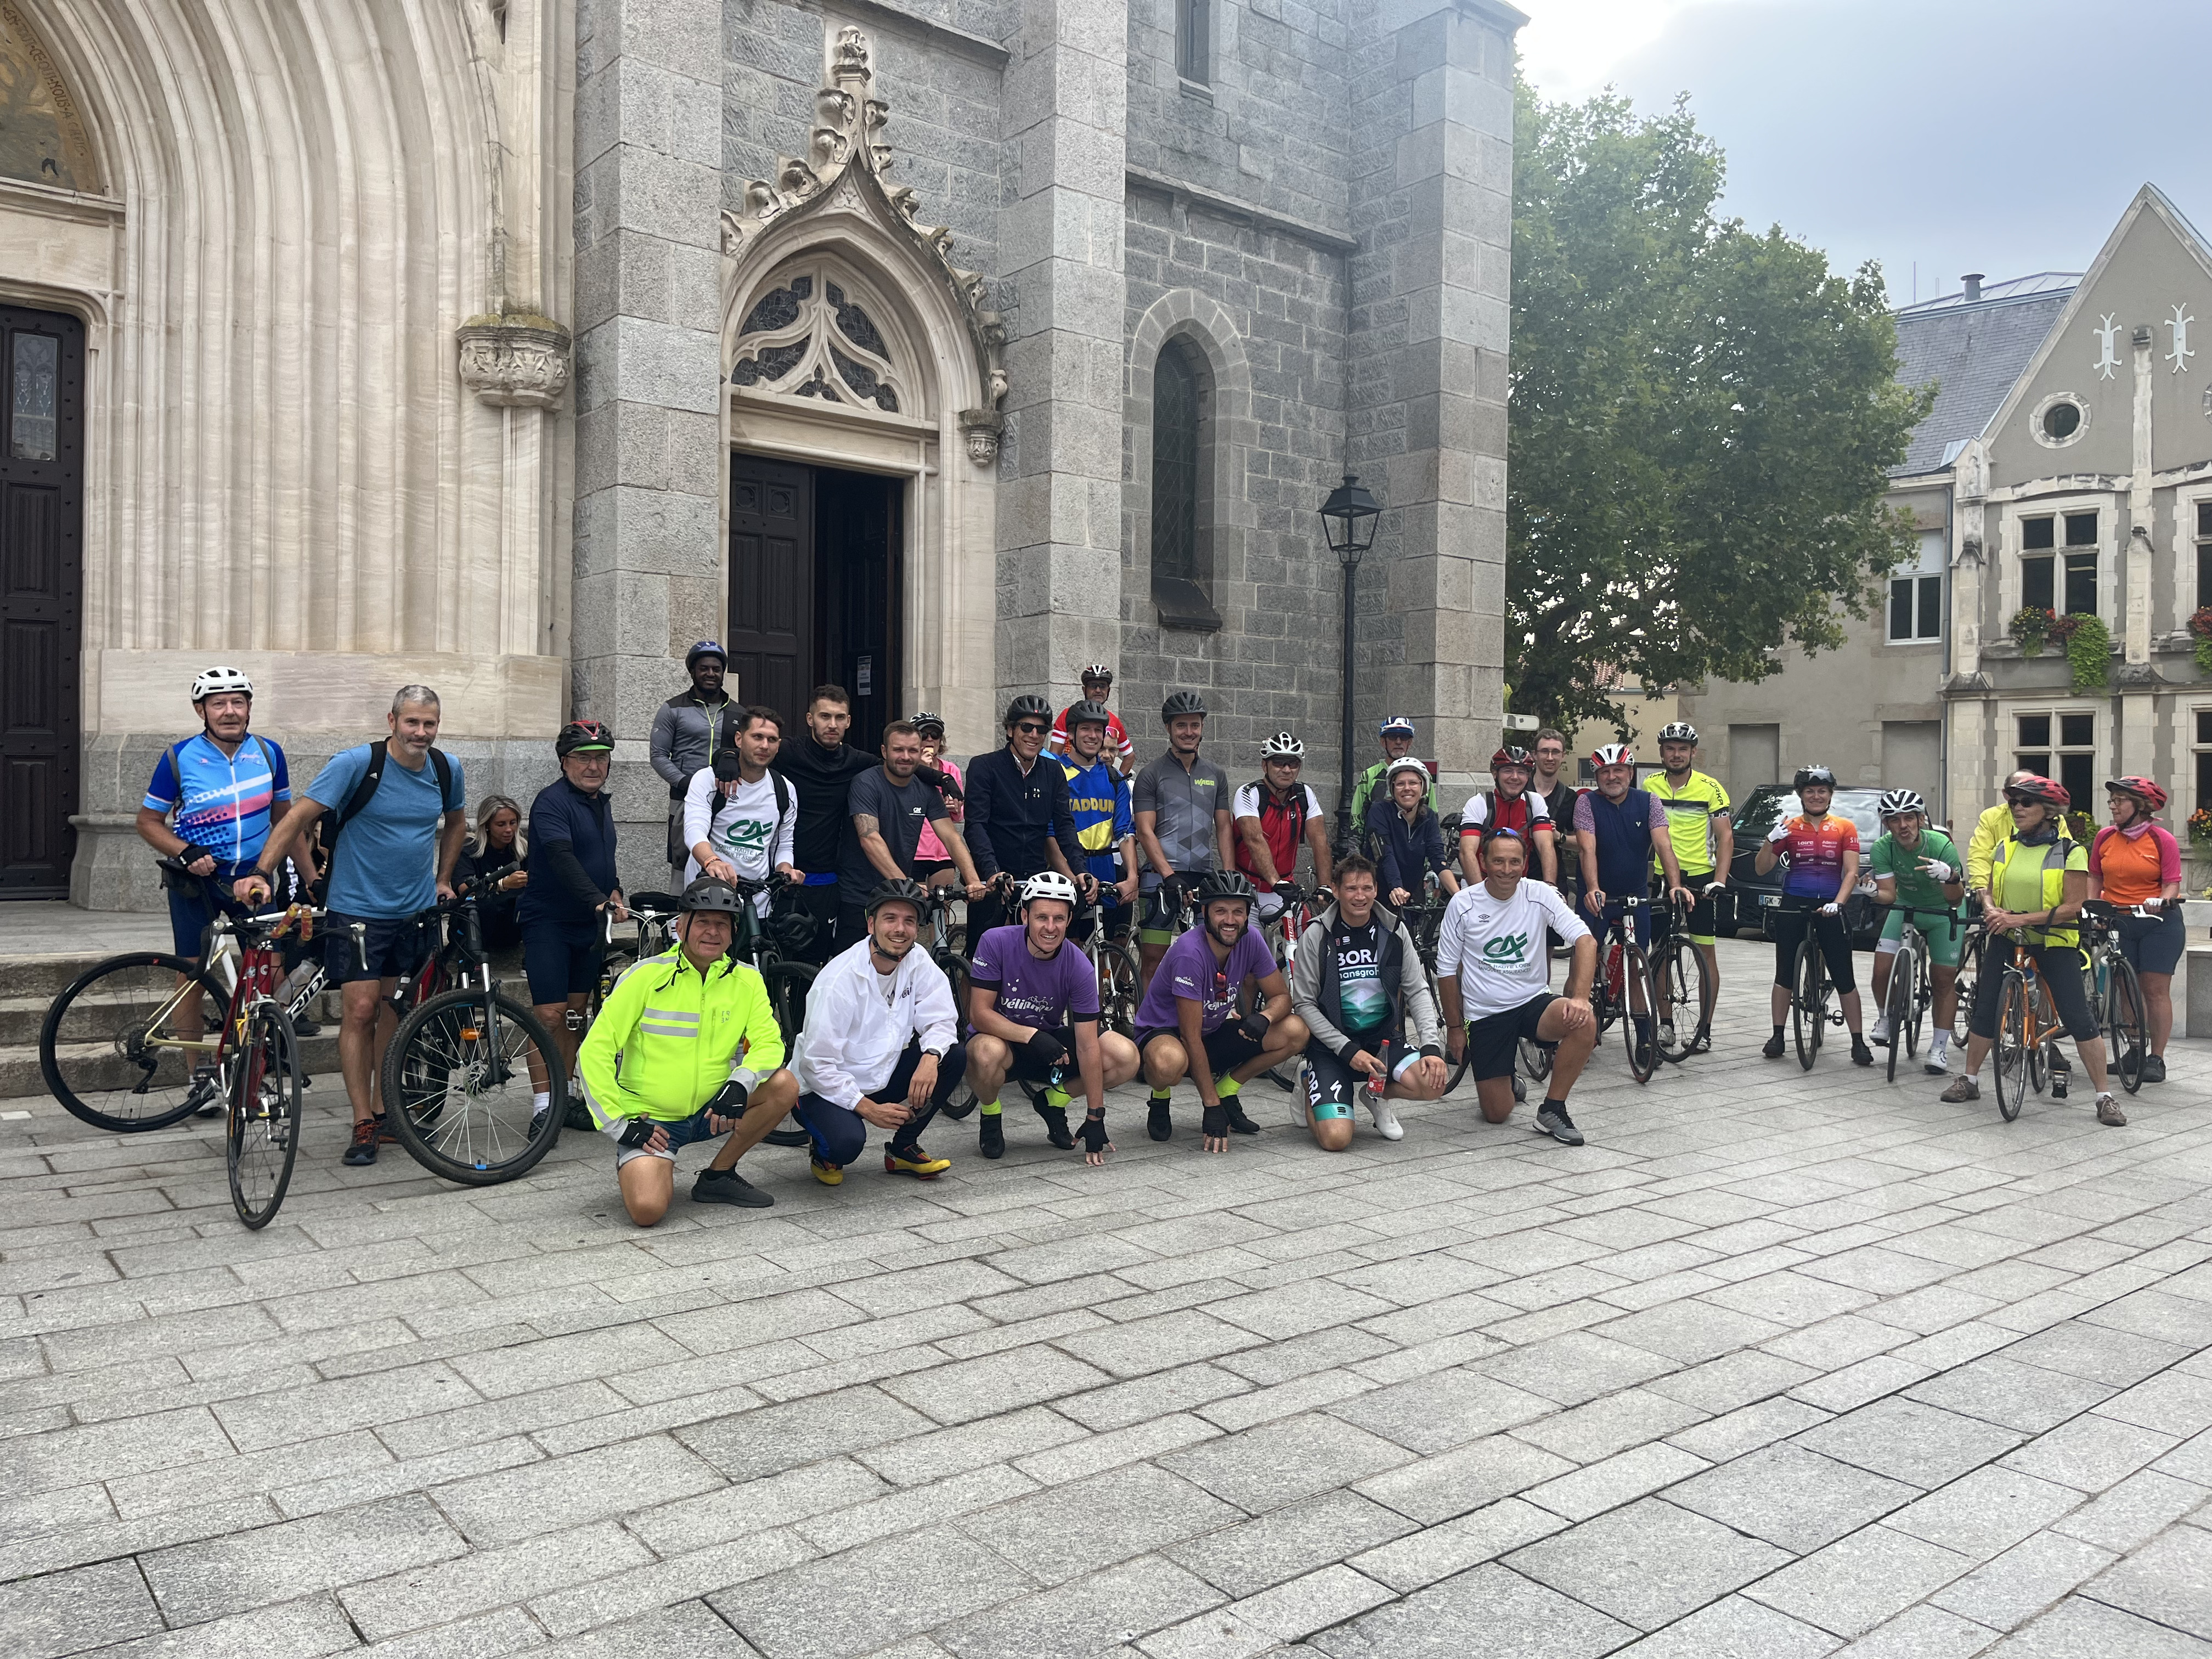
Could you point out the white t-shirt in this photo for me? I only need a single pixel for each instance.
(1497, 946)
(743, 828)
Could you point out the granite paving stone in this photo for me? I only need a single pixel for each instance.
(1780, 1365)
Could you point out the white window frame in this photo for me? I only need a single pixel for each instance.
(2057, 749)
(2198, 748)
(1929, 566)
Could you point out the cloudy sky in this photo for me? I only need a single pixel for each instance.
(1998, 136)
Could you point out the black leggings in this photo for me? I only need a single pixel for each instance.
(2060, 969)
(1786, 924)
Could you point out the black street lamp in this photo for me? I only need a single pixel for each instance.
(1349, 514)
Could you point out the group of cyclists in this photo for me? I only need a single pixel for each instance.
(849, 855)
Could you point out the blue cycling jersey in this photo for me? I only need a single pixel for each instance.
(222, 801)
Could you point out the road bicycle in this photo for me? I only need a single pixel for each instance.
(2115, 994)
(1911, 987)
(1624, 979)
(1115, 961)
(1685, 995)
(462, 1071)
(2028, 1025)
(1282, 931)
(1970, 974)
(1811, 990)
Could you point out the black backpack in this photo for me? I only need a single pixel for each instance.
(365, 791)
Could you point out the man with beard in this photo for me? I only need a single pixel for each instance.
(822, 766)
(888, 806)
(687, 729)
(1183, 1027)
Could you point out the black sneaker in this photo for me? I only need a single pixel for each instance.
(538, 1119)
(364, 1149)
(1553, 1120)
(1237, 1122)
(385, 1135)
(1773, 1048)
(1159, 1124)
(2154, 1068)
(306, 1028)
(991, 1139)
(728, 1187)
(1861, 1054)
(1055, 1126)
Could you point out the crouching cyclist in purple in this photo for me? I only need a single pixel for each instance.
(878, 1045)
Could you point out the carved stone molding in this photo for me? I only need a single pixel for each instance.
(982, 427)
(843, 167)
(518, 362)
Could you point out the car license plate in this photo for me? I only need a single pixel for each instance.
(1766, 901)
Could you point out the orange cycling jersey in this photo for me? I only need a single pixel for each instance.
(1816, 848)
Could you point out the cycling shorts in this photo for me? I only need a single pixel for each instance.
(1699, 928)
(1945, 944)
(1226, 1045)
(1493, 1042)
(2153, 947)
(396, 946)
(561, 963)
(1334, 1089)
(1160, 917)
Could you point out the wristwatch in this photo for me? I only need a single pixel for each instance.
(932, 1054)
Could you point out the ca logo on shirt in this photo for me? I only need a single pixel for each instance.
(746, 835)
(1506, 949)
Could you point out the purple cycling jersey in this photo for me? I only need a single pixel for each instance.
(1190, 973)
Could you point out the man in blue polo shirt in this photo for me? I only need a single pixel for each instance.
(399, 815)
(223, 786)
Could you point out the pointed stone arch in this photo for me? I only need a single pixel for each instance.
(913, 388)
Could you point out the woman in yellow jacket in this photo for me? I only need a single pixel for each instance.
(2036, 882)
(686, 1048)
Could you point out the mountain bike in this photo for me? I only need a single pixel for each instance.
(462, 1071)
(1911, 988)
(2115, 994)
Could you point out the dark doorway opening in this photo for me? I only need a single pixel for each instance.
(41, 596)
(815, 582)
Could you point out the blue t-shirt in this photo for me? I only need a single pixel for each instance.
(386, 864)
(1189, 971)
(222, 801)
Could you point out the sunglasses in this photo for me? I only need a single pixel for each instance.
(1031, 725)
(1503, 833)
(1292, 764)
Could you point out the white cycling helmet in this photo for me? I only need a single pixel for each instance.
(1677, 732)
(1050, 885)
(210, 680)
(1895, 803)
(1612, 754)
(1408, 763)
(1281, 743)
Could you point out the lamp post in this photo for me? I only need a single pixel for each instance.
(1349, 515)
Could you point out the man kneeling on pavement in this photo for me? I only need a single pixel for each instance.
(687, 1049)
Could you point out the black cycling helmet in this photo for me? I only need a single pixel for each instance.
(1808, 775)
(908, 892)
(708, 894)
(705, 649)
(1028, 707)
(926, 723)
(1227, 884)
(1182, 703)
(1089, 714)
(586, 737)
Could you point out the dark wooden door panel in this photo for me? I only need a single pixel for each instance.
(772, 584)
(41, 590)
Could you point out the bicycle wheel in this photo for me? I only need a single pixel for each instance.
(1117, 987)
(1970, 972)
(1924, 998)
(1641, 1030)
(1682, 999)
(2129, 1038)
(456, 1087)
(1897, 1007)
(1535, 1060)
(2015, 1048)
(264, 1123)
(110, 1049)
(787, 983)
(1806, 1013)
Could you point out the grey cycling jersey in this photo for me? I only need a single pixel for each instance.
(1186, 803)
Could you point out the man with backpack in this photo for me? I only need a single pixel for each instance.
(225, 786)
(739, 816)
(1274, 815)
(1510, 805)
(398, 816)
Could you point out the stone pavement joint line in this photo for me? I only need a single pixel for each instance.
(1779, 1364)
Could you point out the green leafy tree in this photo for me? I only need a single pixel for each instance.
(1701, 423)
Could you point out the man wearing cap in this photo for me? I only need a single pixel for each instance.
(1397, 732)
(687, 730)
(1098, 689)
(685, 1049)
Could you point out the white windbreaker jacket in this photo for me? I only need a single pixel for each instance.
(855, 1033)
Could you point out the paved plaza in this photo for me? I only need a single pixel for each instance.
(1779, 1365)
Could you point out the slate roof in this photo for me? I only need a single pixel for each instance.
(1976, 350)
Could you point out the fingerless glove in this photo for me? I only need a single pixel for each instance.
(1215, 1122)
(1255, 1026)
(1094, 1132)
(1046, 1047)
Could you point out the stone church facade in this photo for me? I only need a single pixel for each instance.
(937, 349)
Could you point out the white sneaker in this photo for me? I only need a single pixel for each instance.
(1386, 1120)
(1880, 1032)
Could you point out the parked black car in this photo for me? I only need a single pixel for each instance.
(1766, 806)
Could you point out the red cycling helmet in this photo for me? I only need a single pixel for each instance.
(2153, 798)
(1510, 756)
(2048, 792)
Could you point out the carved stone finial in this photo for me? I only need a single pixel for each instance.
(849, 60)
(518, 361)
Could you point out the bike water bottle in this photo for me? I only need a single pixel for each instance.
(1379, 1081)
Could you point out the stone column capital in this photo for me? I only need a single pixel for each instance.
(519, 359)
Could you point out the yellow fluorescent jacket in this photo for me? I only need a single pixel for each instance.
(669, 1037)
